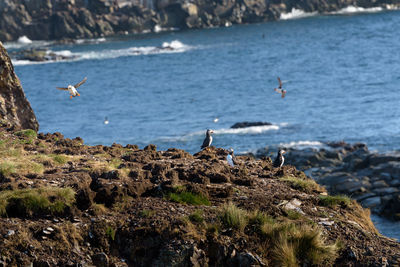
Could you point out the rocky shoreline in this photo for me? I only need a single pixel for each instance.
(63, 203)
(73, 19)
(371, 178)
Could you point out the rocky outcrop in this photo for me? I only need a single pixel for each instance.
(14, 107)
(66, 204)
(249, 124)
(70, 19)
(371, 178)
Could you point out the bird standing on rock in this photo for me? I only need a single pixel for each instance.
(278, 162)
(208, 140)
(72, 88)
(280, 90)
(229, 158)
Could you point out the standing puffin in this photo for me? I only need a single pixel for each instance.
(278, 162)
(280, 90)
(208, 140)
(72, 88)
(229, 158)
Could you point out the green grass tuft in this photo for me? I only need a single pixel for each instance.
(333, 201)
(305, 185)
(60, 159)
(147, 213)
(234, 217)
(110, 232)
(196, 217)
(188, 198)
(7, 168)
(293, 215)
(26, 202)
(26, 133)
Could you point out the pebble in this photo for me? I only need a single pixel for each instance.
(10, 233)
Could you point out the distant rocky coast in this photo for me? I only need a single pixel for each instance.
(73, 19)
(372, 178)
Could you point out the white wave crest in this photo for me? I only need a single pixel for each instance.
(302, 144)
(167, 47)
(18, 45)
(356, 9)
(63, 53)
(297, 14)
(24, 40)
(237, 131)
(247, 130)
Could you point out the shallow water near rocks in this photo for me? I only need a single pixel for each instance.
(342, 74)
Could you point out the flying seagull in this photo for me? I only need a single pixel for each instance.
(229, 158)
(278, 162)
(280, 90)
(72, 88)
(106, 121)
(208, 140)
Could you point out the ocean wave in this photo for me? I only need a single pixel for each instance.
(223, 131)
(247, 130)
(297, 14)
(356, 9)
(24, 40)
(91, 41)
(25, 44)
(165, 48)
(303, 144)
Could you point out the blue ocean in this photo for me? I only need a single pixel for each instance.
(341, 73)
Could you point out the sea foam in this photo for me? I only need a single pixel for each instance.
(297, 14)
(356, 9)
(166, 47)
(303, 144)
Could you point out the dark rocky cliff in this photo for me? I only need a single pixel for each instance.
(63, 19)
(14, 107)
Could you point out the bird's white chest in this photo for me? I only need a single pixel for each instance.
(72, 91)
(210, 140)
(283, 160)
(230, 160)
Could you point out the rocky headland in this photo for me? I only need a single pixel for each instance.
(72, 19)
(371, 178)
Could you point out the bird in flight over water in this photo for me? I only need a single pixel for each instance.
(72, 88)
(280, 90)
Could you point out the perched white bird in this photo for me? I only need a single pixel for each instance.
(229, 158)
(106, 120)
(280, 90)
(72, 88)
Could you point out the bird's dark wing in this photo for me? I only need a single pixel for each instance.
(280, 82)
(80, 83)
(205, 143)
(62, 88)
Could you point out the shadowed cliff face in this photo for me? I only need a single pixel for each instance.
(14, 107)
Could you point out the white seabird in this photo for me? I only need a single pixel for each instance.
(229, 158)
(280, 90)
(72, 88)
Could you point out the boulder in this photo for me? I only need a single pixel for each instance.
(15, 109)
(246, 124)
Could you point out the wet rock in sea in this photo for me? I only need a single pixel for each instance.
(249, 124)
